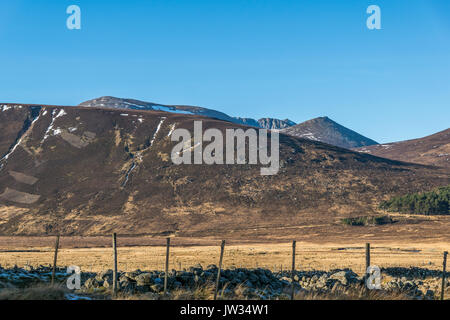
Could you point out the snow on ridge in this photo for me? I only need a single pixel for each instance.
(7, 107)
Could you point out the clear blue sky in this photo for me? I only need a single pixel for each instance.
(249, 58)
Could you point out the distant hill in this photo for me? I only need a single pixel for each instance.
(325, 130)
(430, 150)
(120, 103)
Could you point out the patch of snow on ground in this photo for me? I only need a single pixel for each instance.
(309, 136)
(50, 127)
(6, 107)
(127, 176)
(172, 128)
(157, 130)
(61, 113)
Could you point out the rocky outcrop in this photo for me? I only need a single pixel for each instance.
(275, 124)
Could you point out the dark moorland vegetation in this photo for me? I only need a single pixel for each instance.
(435, 202)
(367, 221)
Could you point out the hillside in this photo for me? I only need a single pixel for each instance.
(430, 150)
(326, 130)
(91, 171)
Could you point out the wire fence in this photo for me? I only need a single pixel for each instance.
(282, 257)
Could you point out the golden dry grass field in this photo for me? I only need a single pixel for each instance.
(95, 254)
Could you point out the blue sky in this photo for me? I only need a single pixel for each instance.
(249, 58)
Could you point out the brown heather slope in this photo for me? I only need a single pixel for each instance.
(69, 175)
(430, 150)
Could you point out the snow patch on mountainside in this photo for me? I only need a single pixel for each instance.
(50, 130)
(157, 130)
(172, 128)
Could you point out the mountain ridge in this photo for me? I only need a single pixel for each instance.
(430, 150)
(122, 103)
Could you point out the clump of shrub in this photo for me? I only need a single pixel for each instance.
(367, 221)
(436, 202)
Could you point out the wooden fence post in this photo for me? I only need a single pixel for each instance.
(114, 243)
(294, 243)
(222, 248)
(55, 259)
(443, 275)
(166, 275)
(367, 261)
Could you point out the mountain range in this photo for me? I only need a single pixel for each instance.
(120, 103)
(320, 129)
(89, 170)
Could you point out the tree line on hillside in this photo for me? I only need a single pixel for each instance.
(436, 202)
